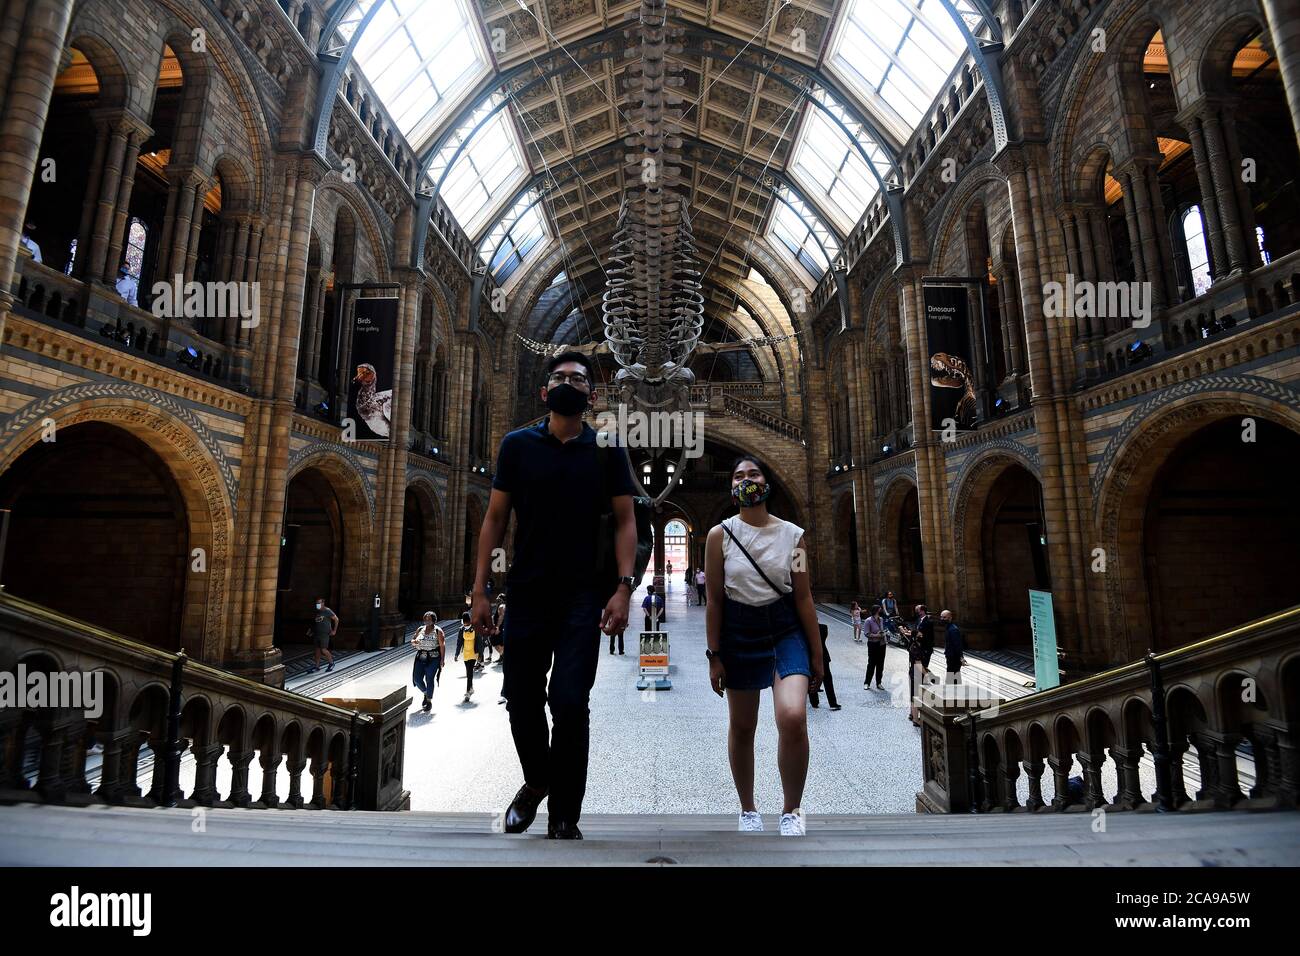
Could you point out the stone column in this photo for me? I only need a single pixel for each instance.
(1134, 242)
(314, 372)
(1148, 234)
(277, 383)
(109, 187)
(1283, 18)
(196, 227)
(1209, 198)
(122, 214)
(1100, 229)
(37, 48)
(226, 251)
(1225, 188)
(90, 204)
(1245, 204)
(181, 225)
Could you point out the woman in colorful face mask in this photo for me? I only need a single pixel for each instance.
(762, 629)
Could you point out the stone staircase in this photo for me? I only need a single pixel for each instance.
(33, 834)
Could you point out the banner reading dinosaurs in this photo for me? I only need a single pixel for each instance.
(370, 394)
(947, 329)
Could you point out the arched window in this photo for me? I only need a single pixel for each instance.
(1198, 257)
(128, 280)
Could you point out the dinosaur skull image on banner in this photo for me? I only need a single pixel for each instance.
(947, 329)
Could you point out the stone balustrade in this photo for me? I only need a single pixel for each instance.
(1209, 705)
(180, 709)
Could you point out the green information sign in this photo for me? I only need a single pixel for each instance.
(1047, 673)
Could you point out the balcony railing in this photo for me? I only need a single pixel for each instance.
(180, 710)
(1237, 692)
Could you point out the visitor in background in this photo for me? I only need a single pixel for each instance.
(762, 632)
(954, 648)
(701, 592)
(873, 628)
(826, 679)
(855, 618)
(650, 602)
(29, 243)
(467, 646)
(498, 638)
(430, 649)
(920, 647)
(889, 613)
(324, 625)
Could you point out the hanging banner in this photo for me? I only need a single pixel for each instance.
(374, 340)
(947, 329)
(1047, 671)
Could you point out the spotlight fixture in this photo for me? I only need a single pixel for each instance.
(323, 409)
(1139, 351)
(887, 448)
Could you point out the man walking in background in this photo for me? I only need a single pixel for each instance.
(324, 624)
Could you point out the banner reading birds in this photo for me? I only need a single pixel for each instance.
(370, 396)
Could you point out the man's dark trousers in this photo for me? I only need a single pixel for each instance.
(559, 631)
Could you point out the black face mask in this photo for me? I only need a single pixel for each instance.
(565, 399)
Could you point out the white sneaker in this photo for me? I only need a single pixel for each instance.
(792, 823)
(751, 822)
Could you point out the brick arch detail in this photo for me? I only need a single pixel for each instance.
(968, 499)
(194, 459)
(1129, 466)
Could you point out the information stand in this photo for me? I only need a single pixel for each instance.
(654, 657)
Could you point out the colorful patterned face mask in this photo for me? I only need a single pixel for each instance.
(749, 493)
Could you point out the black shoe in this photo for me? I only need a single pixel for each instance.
(559, 830)
(835, 706)
(330, 668)
(426, 706)
(523, 809)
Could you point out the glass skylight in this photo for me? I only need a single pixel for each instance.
(418, 55)
(830, 168)
(515, 236)
(799, 232)
(486, 173)
(897, 54)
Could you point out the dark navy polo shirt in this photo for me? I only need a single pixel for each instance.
(555, 490)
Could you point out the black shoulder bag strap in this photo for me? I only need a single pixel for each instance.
(753, 562)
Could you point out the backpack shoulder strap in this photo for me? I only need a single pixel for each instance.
(752, 561)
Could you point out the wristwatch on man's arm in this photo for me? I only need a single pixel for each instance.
(629, 581)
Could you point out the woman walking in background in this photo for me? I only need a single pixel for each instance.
(762, 632)
(430, 649)
(467, 645)
(855, 618)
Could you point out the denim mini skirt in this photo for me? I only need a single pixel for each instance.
(759, 642)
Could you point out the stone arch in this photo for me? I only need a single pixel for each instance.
(1130, 465)
(958, 206)
(434, 530)
(906, 582)
(196, 464)
(114, 84)
(356, 503)
(1214, 59)
(197, 84)
(351, 198)
(969, 504)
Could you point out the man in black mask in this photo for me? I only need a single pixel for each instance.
(550, 474)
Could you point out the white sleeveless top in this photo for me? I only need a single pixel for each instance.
(772, 546)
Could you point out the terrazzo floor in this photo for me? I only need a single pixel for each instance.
(666, 751)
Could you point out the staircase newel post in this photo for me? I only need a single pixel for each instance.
(1160, 746)
(354, 755)
(172, 774)
(973, 765)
